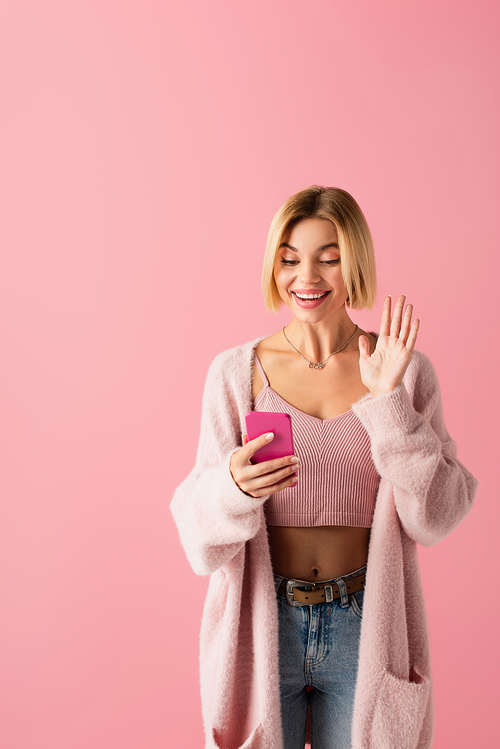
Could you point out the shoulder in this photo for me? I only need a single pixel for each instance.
(235, 357)
(233, 365)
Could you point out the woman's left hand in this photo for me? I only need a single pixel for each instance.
(383, 370)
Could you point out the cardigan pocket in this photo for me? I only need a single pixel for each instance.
(399, 711)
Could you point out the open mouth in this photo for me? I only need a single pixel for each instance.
(310, 297)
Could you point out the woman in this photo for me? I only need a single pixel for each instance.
(314, 599)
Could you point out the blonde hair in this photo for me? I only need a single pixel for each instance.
(357, 259)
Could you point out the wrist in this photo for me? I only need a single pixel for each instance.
(377, 393)
(232, 476)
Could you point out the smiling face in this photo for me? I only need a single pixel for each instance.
(307, 270)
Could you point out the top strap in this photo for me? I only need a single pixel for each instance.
(262, 373)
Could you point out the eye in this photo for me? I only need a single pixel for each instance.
(331, 262)
(289, 262)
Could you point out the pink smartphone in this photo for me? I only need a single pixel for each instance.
(260, 422)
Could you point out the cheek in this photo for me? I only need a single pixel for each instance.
(282, 280)
(337, 279)
(280, 277)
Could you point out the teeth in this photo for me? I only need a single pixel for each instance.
(310, 296)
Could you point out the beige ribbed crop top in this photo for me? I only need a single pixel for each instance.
(338, 481)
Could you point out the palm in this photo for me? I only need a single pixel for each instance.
(383, 370)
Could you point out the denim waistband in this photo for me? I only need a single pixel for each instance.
(308, 584)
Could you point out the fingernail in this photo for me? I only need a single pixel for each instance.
(269, 435)
(294, 460)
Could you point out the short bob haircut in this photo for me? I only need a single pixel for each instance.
(357, 259)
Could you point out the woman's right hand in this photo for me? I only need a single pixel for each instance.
(259, 479)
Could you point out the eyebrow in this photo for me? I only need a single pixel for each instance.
(320, 249)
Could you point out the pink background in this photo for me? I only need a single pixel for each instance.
(145, 147)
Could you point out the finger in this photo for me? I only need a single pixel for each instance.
(385, 324)
(273, 488)
(405, 328)
(364, 346)
(269, 471)
(252, 446)
(412, 338)
(282, 485)
(398, 313)
(270, 466)
(263, 482)
(245, 439)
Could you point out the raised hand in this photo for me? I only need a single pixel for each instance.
(383, 370)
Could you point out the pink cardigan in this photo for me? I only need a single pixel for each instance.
(424, 493)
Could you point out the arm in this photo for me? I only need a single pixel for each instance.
(412, 450)
(213, 516)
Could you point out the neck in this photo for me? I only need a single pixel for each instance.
(317, 340)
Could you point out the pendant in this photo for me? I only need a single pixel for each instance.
(316, 366)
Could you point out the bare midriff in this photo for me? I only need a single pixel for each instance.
(327, 551)
(319, 553)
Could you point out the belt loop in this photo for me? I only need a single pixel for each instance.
(277, 582)
(344, 597)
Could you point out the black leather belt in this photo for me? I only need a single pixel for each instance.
(303, 593)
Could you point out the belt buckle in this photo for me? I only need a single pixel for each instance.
(290, 584)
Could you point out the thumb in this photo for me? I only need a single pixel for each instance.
(364, 345)
(253, 445)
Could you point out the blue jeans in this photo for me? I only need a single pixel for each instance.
(318, 648)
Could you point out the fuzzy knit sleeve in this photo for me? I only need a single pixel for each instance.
(412, 449)
(213, 516)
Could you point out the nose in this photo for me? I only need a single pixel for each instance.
(309, 273)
